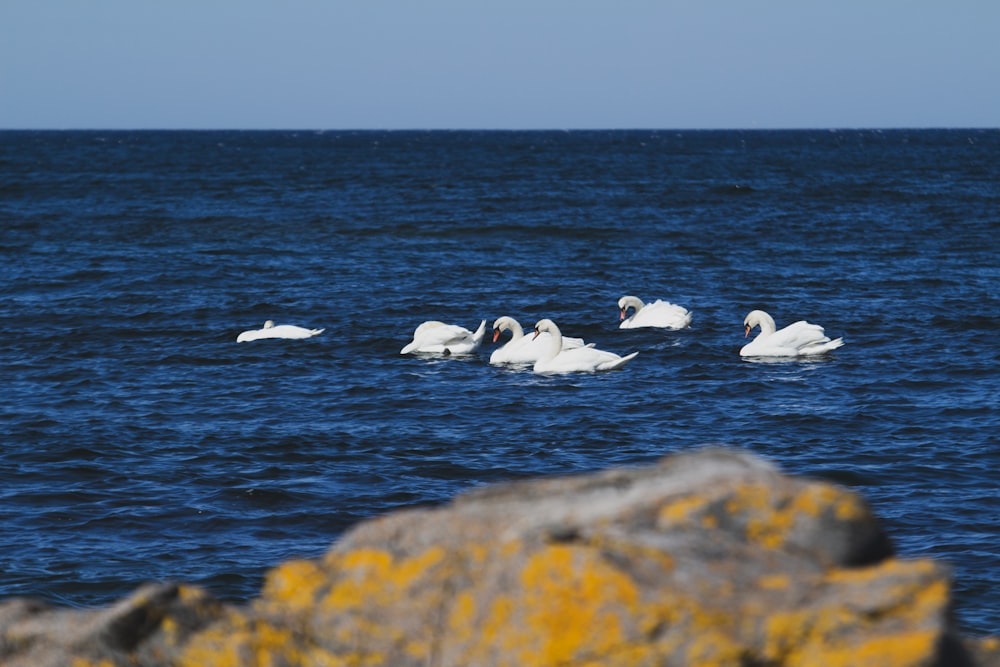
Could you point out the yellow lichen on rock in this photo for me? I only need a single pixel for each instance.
(294, 585)
(573, 605)
(861, 625)
(906, 649)
(681, 510)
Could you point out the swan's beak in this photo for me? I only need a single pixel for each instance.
(496, 335)
(747, 328)
(623, 315)
(536, 334)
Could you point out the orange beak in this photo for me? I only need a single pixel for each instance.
(747, 327)
(623, 315)
(496, 335)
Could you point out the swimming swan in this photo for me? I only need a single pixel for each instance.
(662, 314)
(521, 349)
(578, 359)
(447, 339)
(797, 339)
(279, 331)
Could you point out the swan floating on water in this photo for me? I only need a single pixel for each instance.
(521, 349)
(584, 359)
(271, 330)
(661, 314)
(448, 339)
(796, 340)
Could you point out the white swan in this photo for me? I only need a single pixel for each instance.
(521, 349)
(662, 314)
(797, 339)
(448, 339)
(279, 331)
(578, 359)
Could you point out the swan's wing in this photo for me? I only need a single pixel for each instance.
(250, 335)
(279, 331)
(450, 338)
(523, 350)
(662, 314)
(583, 360)
(798, 335)
(444, 335)
(290, 331)
(798, 338)
(822, 347)
(430, 337)
(529, 349)
(617, 362)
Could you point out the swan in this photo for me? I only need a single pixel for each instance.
(521, 349)
(585, 359)
(271, 330)
(662, 314)
(447, 339)
(797, 339)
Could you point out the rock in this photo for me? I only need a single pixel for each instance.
(709, 558)
(149, 627)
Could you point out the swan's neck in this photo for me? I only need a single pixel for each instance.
(633, 302)
(554, 344)
(516, 331)
(766, 324)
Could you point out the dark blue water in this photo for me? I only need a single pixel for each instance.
(141, 442)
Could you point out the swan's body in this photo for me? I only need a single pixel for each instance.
(449, 339)
(521, 349)
(271, 330)
(796, 340)
(578, 359)
(661, 314)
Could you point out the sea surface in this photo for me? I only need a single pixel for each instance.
(141, 442)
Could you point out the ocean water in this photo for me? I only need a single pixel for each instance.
(141, 442)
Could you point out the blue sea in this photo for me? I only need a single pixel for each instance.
(141, 442)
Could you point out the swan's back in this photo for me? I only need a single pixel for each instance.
(434, 336)
(660, 314)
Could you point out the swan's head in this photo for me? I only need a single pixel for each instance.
(268, 324)
(627, 302)
(545, 325)
(756, 318)
(505, 324)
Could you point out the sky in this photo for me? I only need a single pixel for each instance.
(491, 64)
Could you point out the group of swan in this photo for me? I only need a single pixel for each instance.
(521, 349)
(548, 351)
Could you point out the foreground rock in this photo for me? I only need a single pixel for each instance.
(710, 558)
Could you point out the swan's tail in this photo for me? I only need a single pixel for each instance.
(823, 347)
(618, 363)
(833, 344)
(480, 332)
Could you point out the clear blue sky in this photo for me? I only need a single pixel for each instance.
(507, 64)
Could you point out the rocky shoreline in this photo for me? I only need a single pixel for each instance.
(711, 557)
